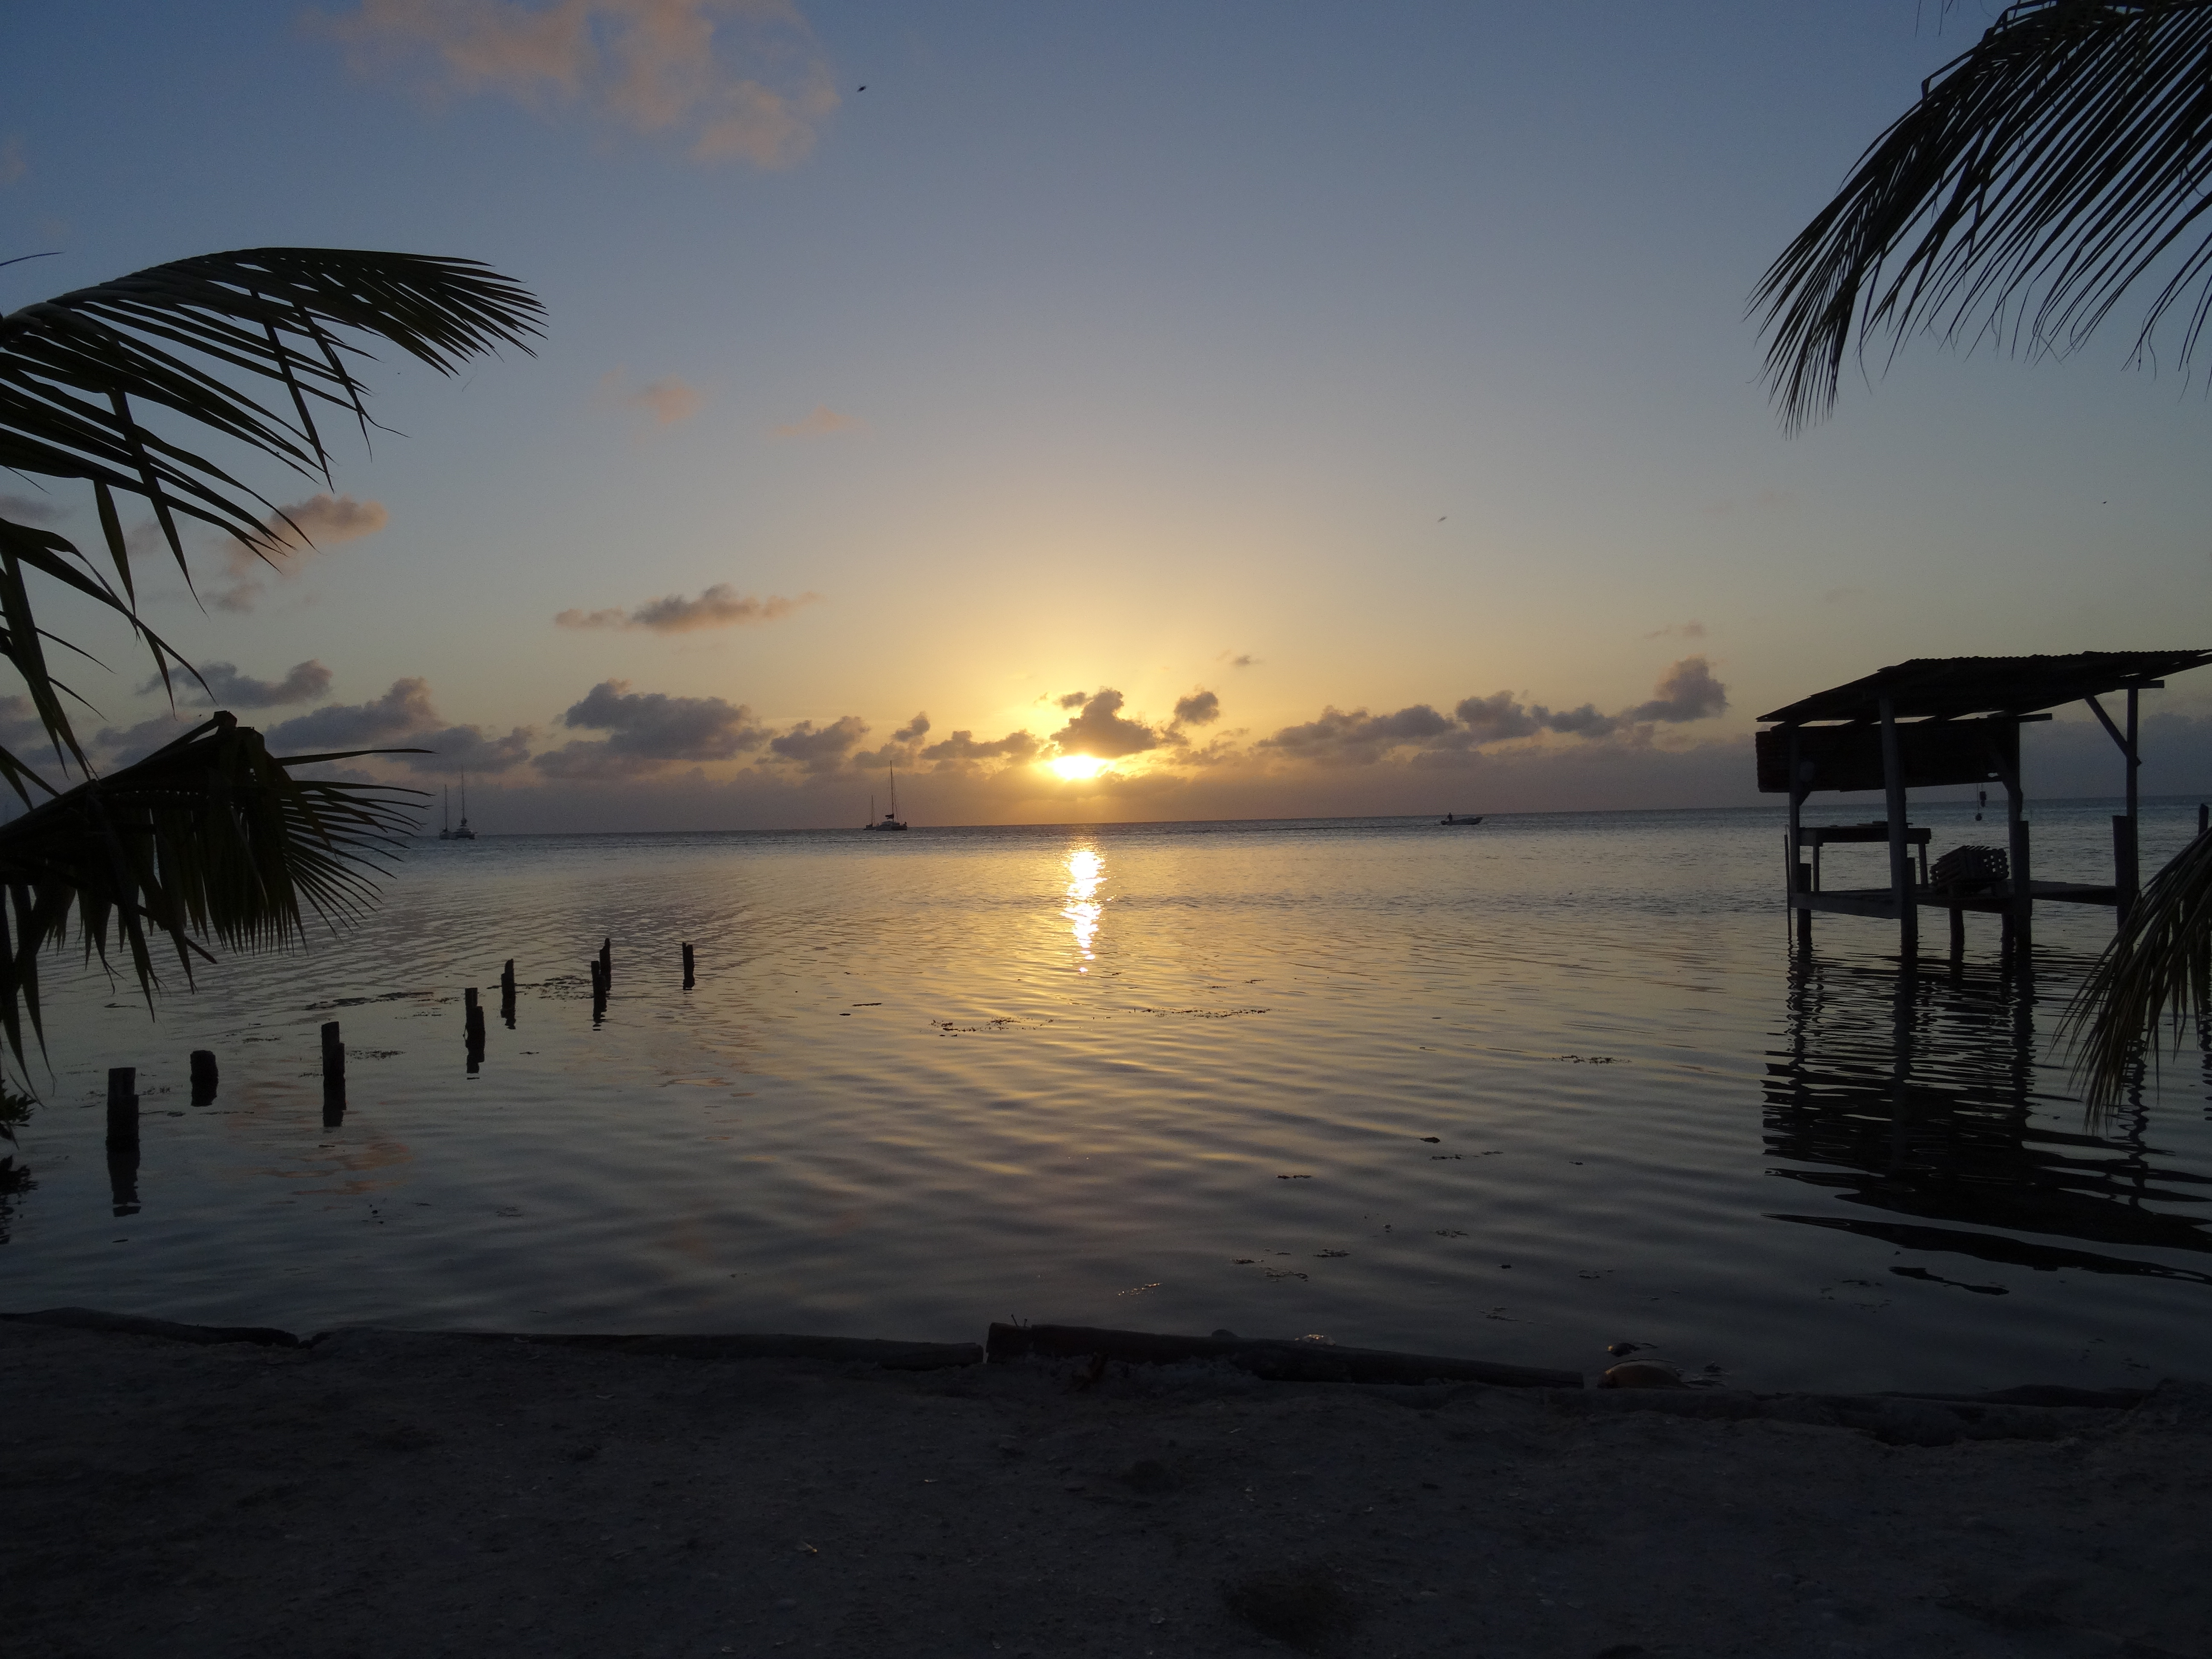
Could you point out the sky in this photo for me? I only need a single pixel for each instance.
(1096, 413)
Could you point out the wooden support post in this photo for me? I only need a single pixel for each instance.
(2203, 817)
(204, 1076)
(2020, 926)
(1900, 855)
(2131, 882)
(122, 1108)
(333, 1057)
(689, 963)
(607, 960)
(507, 979)
(473, 1025)
(1958, 935)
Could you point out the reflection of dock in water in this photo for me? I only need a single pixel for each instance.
(1919, 1095)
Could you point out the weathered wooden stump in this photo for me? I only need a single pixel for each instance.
(689, 963)
(204, 1076)
(122, 1108)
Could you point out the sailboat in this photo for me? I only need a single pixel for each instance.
(464, 833)
(890, 819)
(446, 830)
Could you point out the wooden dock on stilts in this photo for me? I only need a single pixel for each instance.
(1939, 722)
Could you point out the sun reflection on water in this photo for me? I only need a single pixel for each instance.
(1086, 873)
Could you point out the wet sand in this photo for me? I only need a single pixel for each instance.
(388, 1493)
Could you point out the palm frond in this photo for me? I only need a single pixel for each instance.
(245, 344)
(2156, 974)
(211, 837)
(2042, 174)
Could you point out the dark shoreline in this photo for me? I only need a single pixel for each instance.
(383, 1492)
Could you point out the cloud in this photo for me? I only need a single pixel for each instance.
(403, 710)
(1357, 738)
(1688, 631)
(1686, 692)
(30, 509)
(653, 66)
(823, 423)
(820, 748)
(1243, 659)
(1582, 722)
(663, 402)
(466, 749)
(1100, 730)
(13, 163)
(301, 528)
(912, 731)
(649, 730)
(1200, 707)
(962, 748)
(719, 606)
(1071, 699)
(226, 688)
(1495, 718)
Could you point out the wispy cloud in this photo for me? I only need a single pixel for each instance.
(961, 749)
(719, 606)
(1238, 660)
(823, 423)
(663, 401)
(31, 509)
(731, 80)
(303, 528)
(1692, 629)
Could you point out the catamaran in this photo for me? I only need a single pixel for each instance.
(890, 819)
(465, 833)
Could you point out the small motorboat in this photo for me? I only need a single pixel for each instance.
(1458, 817)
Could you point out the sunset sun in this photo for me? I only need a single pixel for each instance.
(1076, 767)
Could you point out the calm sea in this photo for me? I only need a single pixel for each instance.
(1515, 1092)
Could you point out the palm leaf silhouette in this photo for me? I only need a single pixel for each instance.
(211, 837)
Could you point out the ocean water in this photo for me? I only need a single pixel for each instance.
(1515, 1092)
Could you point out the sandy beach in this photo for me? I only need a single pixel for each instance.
(387, 1492)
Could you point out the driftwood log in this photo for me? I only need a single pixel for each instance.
(1277, 1361)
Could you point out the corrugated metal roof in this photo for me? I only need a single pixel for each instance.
(1950, 687)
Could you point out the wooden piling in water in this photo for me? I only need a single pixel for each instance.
(333, 1056)
(122, 1109)
(689, 963)
(507, 979)
(472, 1023)
(204, 1076)
(607, 960)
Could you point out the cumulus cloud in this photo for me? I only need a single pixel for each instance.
(301, 528)
(719, 606)
(1495, 718)
(1357, 738)
(740, 80)
(663, 401)
(1200, 707)
(962, 748)
(822, 422)
(914, 731)
(467, 749)
(649, 730)
(1686, 692)
(225, 687)
(1101, 731)
(405, 709)
(820, 748)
